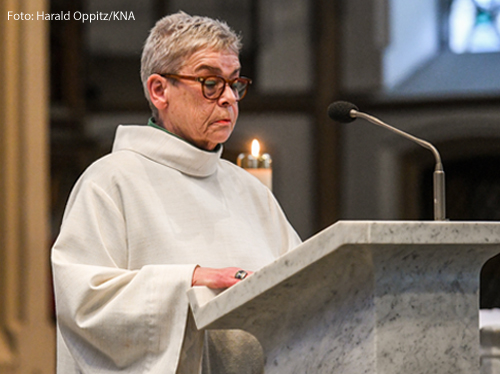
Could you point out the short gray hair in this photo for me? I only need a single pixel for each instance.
(176, 37)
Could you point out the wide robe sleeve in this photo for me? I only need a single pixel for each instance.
(112, 318)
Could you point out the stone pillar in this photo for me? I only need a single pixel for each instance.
(490, 350)
(27, 332)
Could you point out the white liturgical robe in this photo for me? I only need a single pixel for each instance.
(136, 224)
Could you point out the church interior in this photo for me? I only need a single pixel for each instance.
(430, 68)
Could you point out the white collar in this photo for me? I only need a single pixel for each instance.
(166, 149)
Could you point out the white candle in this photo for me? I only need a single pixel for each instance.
(264, 175)
(258, 165)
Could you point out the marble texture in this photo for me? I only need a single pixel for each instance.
(364, 297)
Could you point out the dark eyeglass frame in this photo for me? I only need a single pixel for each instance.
(229, 82)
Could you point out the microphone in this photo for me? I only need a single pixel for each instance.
(345, 112)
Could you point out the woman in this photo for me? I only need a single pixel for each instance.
(162, 213)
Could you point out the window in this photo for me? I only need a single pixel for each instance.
(474, 26)
(426, 50)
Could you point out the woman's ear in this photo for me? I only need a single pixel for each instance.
(157, 88)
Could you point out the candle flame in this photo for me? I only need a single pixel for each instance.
(255, 148)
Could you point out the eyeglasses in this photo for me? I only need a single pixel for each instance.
(213, 86)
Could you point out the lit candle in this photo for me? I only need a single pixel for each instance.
(260, 166)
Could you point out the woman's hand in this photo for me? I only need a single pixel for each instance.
(216, 278)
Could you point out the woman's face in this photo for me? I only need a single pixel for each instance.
(188, 114)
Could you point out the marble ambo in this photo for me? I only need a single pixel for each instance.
(364, 297)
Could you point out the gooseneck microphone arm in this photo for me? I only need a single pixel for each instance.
(438, 177)
(346, 112)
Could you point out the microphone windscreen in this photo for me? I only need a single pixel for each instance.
(340, 111)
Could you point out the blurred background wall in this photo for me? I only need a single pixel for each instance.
(67, 84)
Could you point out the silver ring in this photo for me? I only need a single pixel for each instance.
(241, 274)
